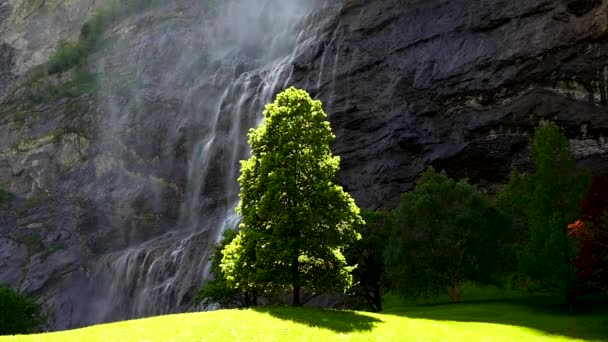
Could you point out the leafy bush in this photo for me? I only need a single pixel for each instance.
(216, 290)
(444, 233)
(370, 281)
(67, 55)
(5, 197)
(18, 313)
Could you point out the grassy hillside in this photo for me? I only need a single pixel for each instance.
(535, 319)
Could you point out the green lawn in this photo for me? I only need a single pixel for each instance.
(515, 319)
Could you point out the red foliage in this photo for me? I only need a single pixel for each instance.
(591, 232)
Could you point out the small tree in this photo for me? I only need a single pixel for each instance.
(549, 200)
(296, 221)
(370, 280)
(217, 290)
(445, 232)
(19, 314)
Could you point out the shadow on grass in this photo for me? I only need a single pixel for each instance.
(588, 321)
(335, 320)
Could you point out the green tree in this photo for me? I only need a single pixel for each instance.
(370, 280)
(549, 200)
(444, 233)
(19, 314)
(217, 290)
(296, 221)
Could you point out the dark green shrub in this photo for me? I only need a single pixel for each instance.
(445, 233)
(5, 197)
(369, 278)
(216, 290)
(19, 314)
(67, 55)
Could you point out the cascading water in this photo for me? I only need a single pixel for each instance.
(178, 99)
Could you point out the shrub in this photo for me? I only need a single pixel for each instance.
(216, 290)
(5, 197)
(19, 314)
(67, 55)
(444, 233)
(370, 282)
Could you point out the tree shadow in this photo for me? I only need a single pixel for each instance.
(335, 320)
(588, 320)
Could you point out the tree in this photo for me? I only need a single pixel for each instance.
(296, 221)
(444, 233)
(217, 290)
(591, 231)
(19, 314)
(370, 280)
(549, 200)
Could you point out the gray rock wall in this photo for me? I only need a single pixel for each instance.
(458, 84)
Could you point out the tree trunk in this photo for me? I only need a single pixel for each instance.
(454, 292)
(295, 278)
(246, 295)
(377, 299)
(296, 295)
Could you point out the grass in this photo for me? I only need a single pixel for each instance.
(508, 319)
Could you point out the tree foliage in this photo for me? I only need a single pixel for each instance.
(445, 232)
(19, 314)
(591, 231)
(216, 290)
(549, 200)
(296, 221)
(370, 280)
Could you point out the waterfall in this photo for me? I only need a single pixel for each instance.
(177, 100)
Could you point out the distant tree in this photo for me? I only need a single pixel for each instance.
(19, 314)
(444, 233)
(591, 231)
(370, 280)
(296, 221)
(549, 200)
(216, 290)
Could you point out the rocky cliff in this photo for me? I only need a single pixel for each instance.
(117, 189)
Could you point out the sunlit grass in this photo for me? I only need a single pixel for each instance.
(500, 320)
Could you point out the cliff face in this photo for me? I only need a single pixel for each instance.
(458, 85)
(117, 191)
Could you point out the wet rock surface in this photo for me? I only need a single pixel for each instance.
(459, 85)
(100, 181)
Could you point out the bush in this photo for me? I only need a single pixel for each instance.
(5, 197)
(444, 233)
(216, 290)
(370, 282)
(67, 55)
(18, 313)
